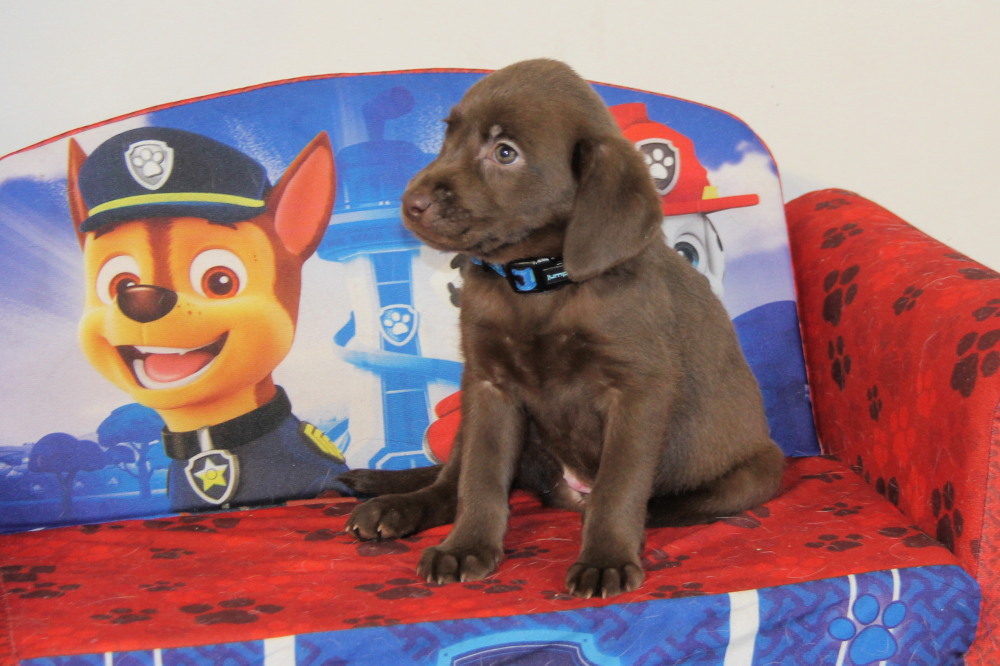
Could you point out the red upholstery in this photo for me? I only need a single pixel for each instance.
(902, 343)
(238, 576)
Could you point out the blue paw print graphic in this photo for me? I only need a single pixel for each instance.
(399, 324)
(873, 642)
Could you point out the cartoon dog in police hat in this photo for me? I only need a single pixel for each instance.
(193, 275)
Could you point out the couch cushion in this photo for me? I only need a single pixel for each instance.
(828, 566)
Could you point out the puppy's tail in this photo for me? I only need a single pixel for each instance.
(373, 482)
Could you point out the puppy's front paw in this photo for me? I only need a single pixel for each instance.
(586, 580)
(439, 564)
(386, 517)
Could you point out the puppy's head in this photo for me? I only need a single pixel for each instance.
(533, 164)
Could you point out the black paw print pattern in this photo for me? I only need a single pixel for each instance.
(978, 359)
(658, 560)
(170, 553)
(399, 588)
(192, 524)
(161, 586)
(825, 477)
(678, 591)
(842, 509)
(888, 489)
(907, 301)
(124, 615)
(525, 552)
(840, 291)
(991, 309)
(840, 362)
(496, 586)
(911, 537)
(950, 522)
(230, 611)
(835, 236)
(979, 273)
(874, 403)
(835, 543)
(832, 204)
(29, 582)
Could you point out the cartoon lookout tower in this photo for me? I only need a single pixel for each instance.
(390, 405)
(682, 182)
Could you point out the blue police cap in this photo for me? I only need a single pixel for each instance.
(162, 172)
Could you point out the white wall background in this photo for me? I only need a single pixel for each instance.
(895, 99)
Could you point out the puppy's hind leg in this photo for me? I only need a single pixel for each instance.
(747, 485)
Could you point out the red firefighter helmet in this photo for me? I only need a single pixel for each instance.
(680, 178)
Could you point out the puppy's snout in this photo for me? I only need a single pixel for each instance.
(416, 203)
(145, 303)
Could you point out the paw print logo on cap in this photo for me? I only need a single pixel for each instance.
(150, 162)
(663, 161)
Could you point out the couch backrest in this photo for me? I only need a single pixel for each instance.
(374, 361)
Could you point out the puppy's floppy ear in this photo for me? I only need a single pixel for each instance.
(616, 210)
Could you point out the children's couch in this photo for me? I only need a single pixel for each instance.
(876, 347)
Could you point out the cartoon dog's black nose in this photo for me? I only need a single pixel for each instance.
(145, 302)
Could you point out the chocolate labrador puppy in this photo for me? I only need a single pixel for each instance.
(600, 370)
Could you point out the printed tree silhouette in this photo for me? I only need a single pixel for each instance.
(127, 434)
(11, 457)
(65, 456)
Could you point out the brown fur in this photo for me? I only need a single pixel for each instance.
(630, 379)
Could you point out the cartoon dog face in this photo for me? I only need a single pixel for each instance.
(190, 316)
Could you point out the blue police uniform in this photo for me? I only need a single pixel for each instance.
(263, 457)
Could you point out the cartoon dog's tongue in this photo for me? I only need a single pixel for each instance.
(171, 367)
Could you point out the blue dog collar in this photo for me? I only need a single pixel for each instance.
(530, 276)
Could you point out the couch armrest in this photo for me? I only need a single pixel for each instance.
(902, 344)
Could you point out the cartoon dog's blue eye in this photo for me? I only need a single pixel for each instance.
(689, 252)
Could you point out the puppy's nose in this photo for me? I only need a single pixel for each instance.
(145, 303)
(415, 204)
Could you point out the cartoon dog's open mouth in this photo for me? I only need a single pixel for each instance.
(170, 367)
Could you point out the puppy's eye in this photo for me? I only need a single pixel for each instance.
(218, 274)
(505, 154)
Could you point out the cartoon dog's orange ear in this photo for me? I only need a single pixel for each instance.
(77, 208)
(302, 201)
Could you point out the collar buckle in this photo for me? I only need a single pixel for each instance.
(531, 276)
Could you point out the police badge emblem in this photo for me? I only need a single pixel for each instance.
(150, 162)
(663, 161)
(213, 475)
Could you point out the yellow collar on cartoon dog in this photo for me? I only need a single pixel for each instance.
(177, 197)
